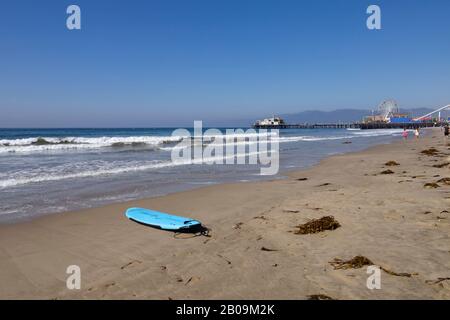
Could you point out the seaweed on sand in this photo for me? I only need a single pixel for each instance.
(431, 185)
(388, 171)
(441, 165)
(354, 263)
(392, 163)
(319, 297)
(358, 262)
(444, 181)
(438, 280)
(318, 225)
(397, 274)
(430, 152)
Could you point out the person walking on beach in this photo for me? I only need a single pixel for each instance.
(417, 133)
(446, 130)
(405, 134)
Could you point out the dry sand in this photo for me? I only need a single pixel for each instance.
(389, 218)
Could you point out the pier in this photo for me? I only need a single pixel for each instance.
(388, 118)
(356, 125)
(307, 126)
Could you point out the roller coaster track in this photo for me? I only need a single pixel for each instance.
(447, 107)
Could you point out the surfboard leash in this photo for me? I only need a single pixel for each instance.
(204, 232)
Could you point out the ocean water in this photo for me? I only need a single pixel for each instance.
(45, 171)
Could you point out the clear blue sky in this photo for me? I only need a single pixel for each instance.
(167, 62)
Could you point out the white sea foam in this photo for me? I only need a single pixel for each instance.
(377, 132)
(98, 168)
(31, 145)
(52, 144)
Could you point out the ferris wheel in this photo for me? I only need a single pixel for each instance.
(387, 108)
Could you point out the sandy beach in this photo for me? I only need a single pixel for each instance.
(254, 251)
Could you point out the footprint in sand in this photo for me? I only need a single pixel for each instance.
(291, 211)
(130, 264)
(431, 185)
(324, 184)
(192, 280)
(238, 225)
(268, 249)
(260, 218)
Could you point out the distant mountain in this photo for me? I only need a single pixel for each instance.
(341, 115)
(417, 112)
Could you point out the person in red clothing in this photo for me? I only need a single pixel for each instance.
(405, 134)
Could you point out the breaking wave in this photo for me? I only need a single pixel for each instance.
(166, 143)
(29, 145)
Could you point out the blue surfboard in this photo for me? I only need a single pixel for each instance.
(161, 220)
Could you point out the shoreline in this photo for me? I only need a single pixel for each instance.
(382, 217)
(283, 174)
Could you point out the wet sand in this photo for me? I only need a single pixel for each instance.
(253, 251)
